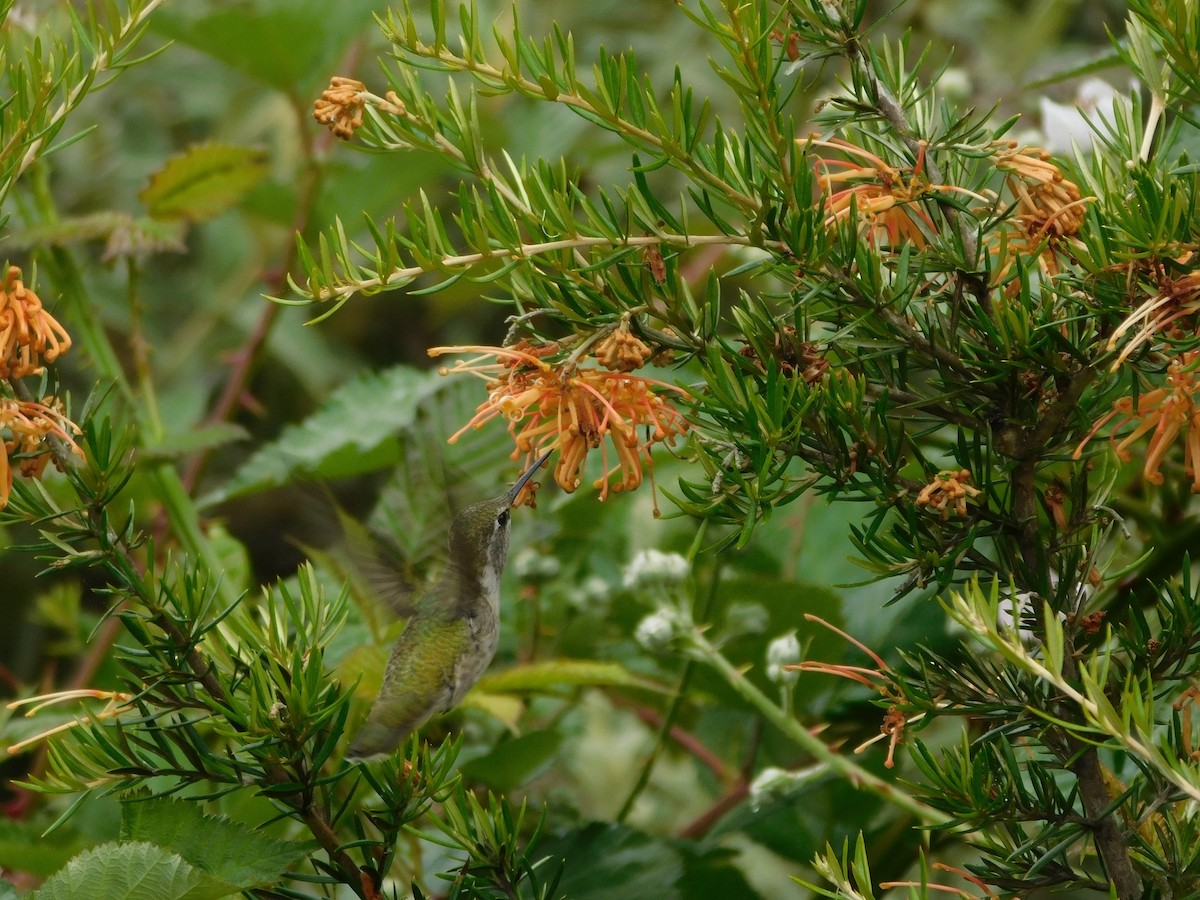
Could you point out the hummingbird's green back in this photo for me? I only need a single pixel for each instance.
(420, 682)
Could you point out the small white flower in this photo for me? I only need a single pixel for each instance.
(783, 651)
(657, 630)
(592, 594)
(653, 567)
(1009, 619)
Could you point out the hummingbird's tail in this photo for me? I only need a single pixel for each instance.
(376, 740)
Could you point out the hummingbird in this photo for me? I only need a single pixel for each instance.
(452, 635)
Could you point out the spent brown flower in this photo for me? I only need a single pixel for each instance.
(1176, 298)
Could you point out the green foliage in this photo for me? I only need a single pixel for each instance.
(202, 183)
(780, 239)
(219, 846)
(132, 872)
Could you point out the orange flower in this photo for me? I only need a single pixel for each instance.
(1047, 203)
(28, 334)
(1047, 209)
(340, 106)
(622, 351)
(1175, 299)
(948, 492)
(1164, 413)
(24, 428)
(572, 409)
(883, 197)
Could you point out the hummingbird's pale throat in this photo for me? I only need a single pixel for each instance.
(451, 637)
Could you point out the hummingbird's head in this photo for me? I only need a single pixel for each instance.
(479, 534)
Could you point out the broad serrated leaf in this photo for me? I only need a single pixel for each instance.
(203, 182)
(555, 674)
(133, 871)
(69, 230)
(353, 432)
(142, 234)
(400, 416)
(225, 849)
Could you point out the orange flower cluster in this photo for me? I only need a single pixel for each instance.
(24, 429)
(1164, 414)
(882, 195)
(1047, 203)
(28, 334)
(881, 678)
(1176, 298)
(340, 106)
(948, 492)
(622, 351)
(573, 410)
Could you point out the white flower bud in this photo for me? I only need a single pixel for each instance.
(778, 784)
(783, 651)
(653, 567)
(659, 629)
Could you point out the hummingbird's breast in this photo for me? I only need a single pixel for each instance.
(483, 630)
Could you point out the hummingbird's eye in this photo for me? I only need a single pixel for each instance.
(502, 519)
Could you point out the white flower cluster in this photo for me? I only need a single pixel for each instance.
(783, 651)
(653, 568)
(660, 628)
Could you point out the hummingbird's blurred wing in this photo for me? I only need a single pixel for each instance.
(379, 566)
(421, 681)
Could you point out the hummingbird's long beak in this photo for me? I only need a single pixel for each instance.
(525, 476)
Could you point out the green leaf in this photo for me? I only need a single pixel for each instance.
(23, 849)
(221, 847)
(515, 762)
(282, 43)
(352, 433)
(554, 674)
(611, 861)
(203, 182)
(398, 417)
(137, 871)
